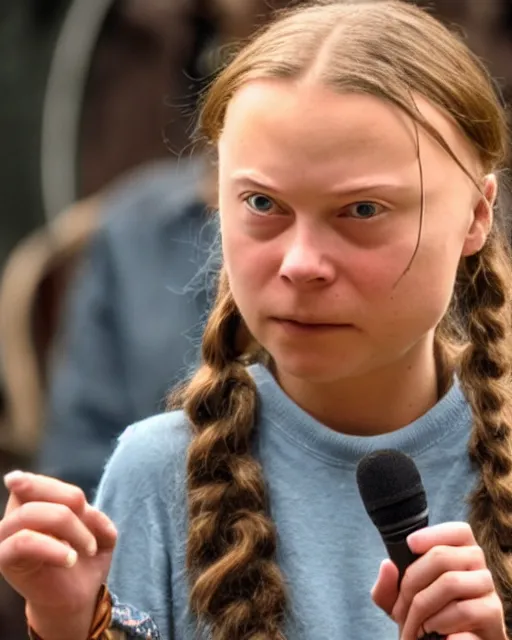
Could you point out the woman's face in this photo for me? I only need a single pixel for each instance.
(320, 200)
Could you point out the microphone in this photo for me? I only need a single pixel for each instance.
(394, 497)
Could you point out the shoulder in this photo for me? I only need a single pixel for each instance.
(149, 455)
(156, 195)
(157, 218)
(156, 436)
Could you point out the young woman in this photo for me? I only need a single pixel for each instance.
(363, 303)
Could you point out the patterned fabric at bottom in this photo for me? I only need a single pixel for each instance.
(135, 624)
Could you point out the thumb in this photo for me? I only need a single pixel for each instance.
(385, 590)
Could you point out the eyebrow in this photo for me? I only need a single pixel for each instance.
(338, 191)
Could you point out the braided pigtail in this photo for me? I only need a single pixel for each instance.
(236, 585)
(485, 374)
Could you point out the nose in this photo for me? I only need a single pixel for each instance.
(305, 262)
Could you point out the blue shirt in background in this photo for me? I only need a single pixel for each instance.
(134, 320)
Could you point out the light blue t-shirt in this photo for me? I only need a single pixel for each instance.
(328, 548)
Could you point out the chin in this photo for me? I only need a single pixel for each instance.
(316, 369)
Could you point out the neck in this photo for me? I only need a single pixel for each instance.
(379, 402)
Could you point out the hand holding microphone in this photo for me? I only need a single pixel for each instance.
(436, 585)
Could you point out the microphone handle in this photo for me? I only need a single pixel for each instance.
(402, 557)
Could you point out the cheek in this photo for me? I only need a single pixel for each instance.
(249, 264)
(410, 300)
(373, 273)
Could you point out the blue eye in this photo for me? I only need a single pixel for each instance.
(364, 210)
(260, 203)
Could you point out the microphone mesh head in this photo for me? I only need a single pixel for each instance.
(390, 487)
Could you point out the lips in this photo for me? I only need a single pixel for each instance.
(310, 323)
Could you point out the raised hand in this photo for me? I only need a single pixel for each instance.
(55, 551)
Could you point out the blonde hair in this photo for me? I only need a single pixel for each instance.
(392, 50)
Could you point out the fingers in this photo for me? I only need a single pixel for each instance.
(484, 615)
(429, 567)
(28, 550)
(450, 534)
(385, 590)
(29, 487)
(55, 520)
(450, 588)
(101, 527)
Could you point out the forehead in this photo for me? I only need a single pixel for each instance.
(276, 125)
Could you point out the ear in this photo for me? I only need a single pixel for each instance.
(482, 217)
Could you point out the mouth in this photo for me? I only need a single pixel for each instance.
(307, 324)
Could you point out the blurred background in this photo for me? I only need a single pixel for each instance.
(105, 230)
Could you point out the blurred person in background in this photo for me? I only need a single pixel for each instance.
(89, 92)
(135, 312)
(140, 75)
(87, 88)
(133, 320)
